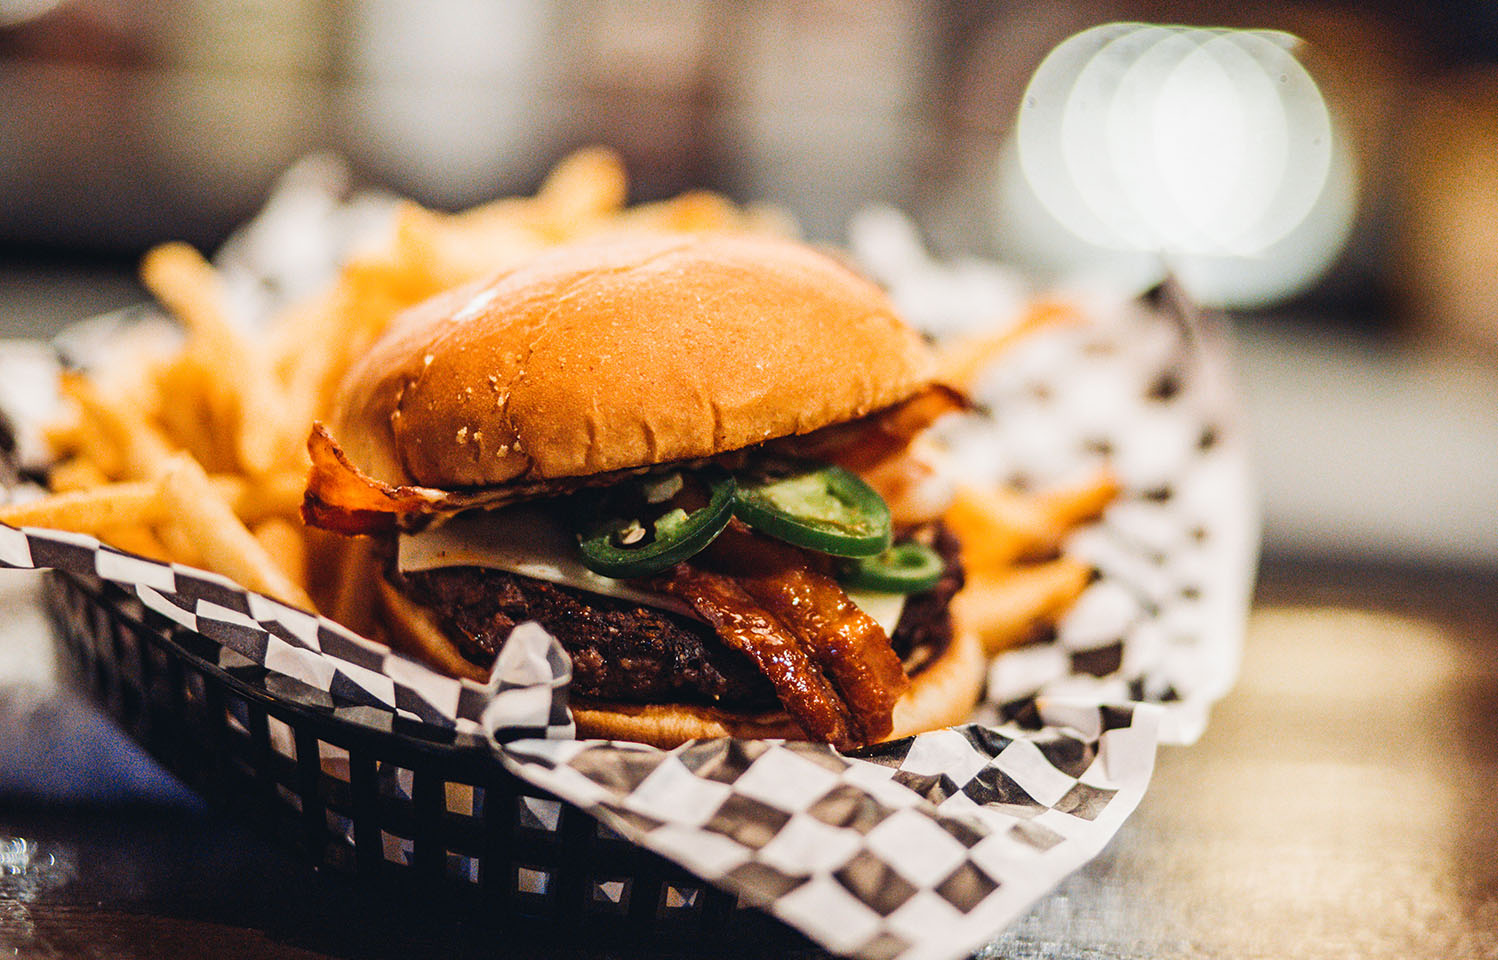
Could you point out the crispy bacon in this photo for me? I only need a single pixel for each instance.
(861, 443)
(341, 497)
(849, 645)
(741, 624)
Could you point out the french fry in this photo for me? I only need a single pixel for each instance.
(84, 497)
(769, 218)
(128, 379)
(179, 545)
(277, 495)
(64, 436)
(587, 185)
(357, 311)
(186, 414)
(78, 473)
(282, 539)
(962, 361)
(298, 326)
(93, 511)
(998, 527)
(138, 445)
(352, 597)
(1004, 607)
(695, 210)
(437, 252)
(263, 443)
(408, 620)
(1068, 506)
(226, 544)
(245, 398)
(119, 514)
(305, 355)
(137, 539)
(189, 287)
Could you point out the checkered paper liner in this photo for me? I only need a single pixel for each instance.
(1142, 389)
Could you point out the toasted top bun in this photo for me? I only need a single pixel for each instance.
(623, 353)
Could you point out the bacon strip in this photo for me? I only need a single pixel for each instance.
(742, 625)
(340, 497)
(343, 498)
(861, 443)
(849, 645)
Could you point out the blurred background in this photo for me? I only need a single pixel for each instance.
(1365, 317)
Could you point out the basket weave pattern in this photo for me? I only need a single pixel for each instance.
(364, 793)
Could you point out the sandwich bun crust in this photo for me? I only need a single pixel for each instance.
(622, 353)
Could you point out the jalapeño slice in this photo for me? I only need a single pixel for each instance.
(827, 509)
(908, 567)
(627, 531)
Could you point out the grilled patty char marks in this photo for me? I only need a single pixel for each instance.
(630, 653)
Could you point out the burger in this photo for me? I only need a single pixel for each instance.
(694, 460)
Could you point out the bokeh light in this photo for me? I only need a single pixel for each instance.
(1209, 152)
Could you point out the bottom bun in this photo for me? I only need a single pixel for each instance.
(943, 691)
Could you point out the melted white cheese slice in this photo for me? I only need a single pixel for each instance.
(524, 540)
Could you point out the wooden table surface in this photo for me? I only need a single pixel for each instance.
(1340, 805)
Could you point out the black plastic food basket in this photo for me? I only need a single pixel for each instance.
(397, 806)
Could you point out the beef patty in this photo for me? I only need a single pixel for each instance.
(623, 651)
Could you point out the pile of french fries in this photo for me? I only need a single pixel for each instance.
(1019, 582)
(197, 454)
(1019, 579)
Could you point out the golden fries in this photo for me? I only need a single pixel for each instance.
(962, 361)
(1015, 582)
(277, 496)
(586, 186)
(75, 474)
(188, 286)
(283, 541)
(1000, 527)
(241, 393)
(140, 447)
(93, 511)
(225, 542)
(137, 539)
(1004, 607)
(350, 596)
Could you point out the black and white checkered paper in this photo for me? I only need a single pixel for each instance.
(1174, 555)
(922, 848)
(526, 695)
